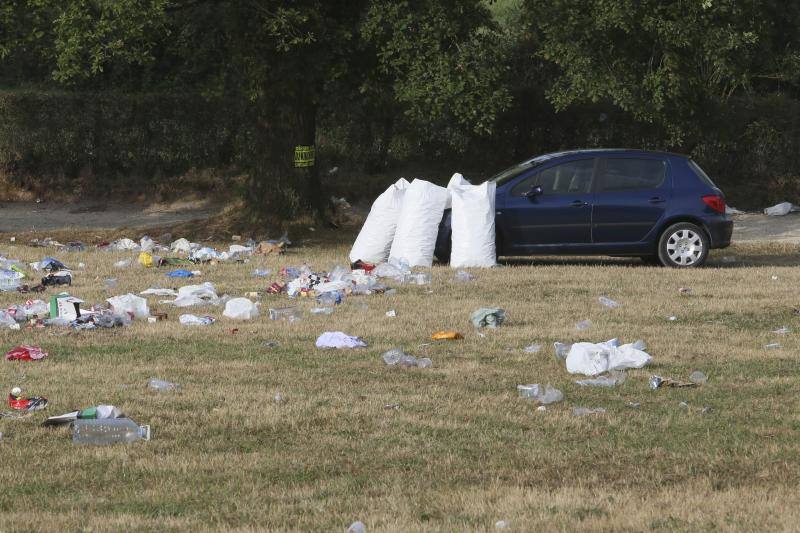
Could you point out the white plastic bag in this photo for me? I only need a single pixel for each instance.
(781, 209)
(591, 359)
(418, 225)
(472, 223)
(375, 238)
(203, 294)
(240, 309)
(129, 304)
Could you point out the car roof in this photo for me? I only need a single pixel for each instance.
(598, 151)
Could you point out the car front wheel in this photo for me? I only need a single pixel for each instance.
(683, 245)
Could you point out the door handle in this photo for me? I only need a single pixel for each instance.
(579, 203)
(656, 200)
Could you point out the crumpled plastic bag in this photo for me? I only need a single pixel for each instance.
(591, 359)
(25, 352)
(489, 317)
(181, 246)
(203, 294)
(194, 320)
(122, 245)
(240, 309)
(337, 339)
(781, 209)
(129, 304)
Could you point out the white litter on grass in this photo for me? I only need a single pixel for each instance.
(533, 348)
(159, 292)
(781, 209)
(591, 359)
(608, 302)
(203, 294)
(732, 211)
(782, 330)
(337, 339)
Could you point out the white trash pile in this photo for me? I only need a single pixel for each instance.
(404, 221)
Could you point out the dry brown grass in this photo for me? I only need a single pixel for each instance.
(462, 451)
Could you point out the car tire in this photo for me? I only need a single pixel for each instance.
(683, 245)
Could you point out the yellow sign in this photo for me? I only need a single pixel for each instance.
(303, 156)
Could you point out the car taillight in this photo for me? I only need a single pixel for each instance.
(715, 202)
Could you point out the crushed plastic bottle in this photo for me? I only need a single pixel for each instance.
(322, 310)
(583, 411)
(261, 273)
(698, 377)
(463, 275)
(391, 313)
(502, 524)
(10, 280)
(562, 350)
(393, 356)
(125, 263)
(782, 330)
(532, 348)
(608, 302)
(419, 278)
(544, 395)
(161, 385)
(612, 379)
(773, 346)
(583, 325)
(328, 299)
(289, 314)
(108, 431)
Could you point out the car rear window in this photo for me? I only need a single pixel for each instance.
(624, 174)
(702, 175)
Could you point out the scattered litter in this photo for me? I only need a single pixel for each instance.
(774, 278)
(193, 320)
(259, 273)
(706, 409)
(608, 302)
(502, 524)
(782, 330)
(698, 377)
(394, 406)
(583, 325)
(672, 318)
(131, 305)
(684, 291)
(773, 346)
(544, 395)
(337, 339)
(532, 348)
(270, 344)
(447, 336)
(633, 405)
(125, 263)
(781, 209)
(25, 352)
(277, 398)
(98, 412)
(17, 402)
(158, 292)
(583, 411)
(562, 350)
(240, 309)
(289, 314)
(192, 295)
(683, 405)
(541, 408)
(732, 210)
(161, 385)
(398, 357)
(657, 382)
(490, 317)
(612, 379)
(391, 313)
(463, 275)
(592, 359)
(108, 431)
(357, 527)
(322, 310)
(180, 273)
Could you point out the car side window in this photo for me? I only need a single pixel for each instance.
(574, 177)
(633, 174)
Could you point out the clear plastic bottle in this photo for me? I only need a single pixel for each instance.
(161, 385)
(290, 314)
(108, 431)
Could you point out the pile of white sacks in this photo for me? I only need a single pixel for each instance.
(404, 221)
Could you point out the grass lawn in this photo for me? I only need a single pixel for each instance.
(462, 451)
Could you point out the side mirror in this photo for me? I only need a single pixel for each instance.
(535, 191)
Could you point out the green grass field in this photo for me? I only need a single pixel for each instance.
(462, 451)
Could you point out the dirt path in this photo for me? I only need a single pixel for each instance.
(30, 216)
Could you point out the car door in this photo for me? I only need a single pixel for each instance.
(631, 196)
(560, 215)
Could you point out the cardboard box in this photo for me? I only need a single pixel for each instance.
(65, 306)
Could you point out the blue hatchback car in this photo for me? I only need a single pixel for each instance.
(658, 206)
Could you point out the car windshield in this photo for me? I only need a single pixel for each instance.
(520, 168)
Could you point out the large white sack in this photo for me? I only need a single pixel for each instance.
(418, 225)
(591, 359)
(375, 238)
(472, 222)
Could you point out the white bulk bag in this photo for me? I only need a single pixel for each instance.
(418, 225)
(375, 238)
(472, 222)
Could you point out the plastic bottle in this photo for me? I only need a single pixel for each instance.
(161, 385)
(108, 431)
(583, 325)
(544, 395)
(608, 302)
(562, 350)
(9, 280)
(289, 314)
